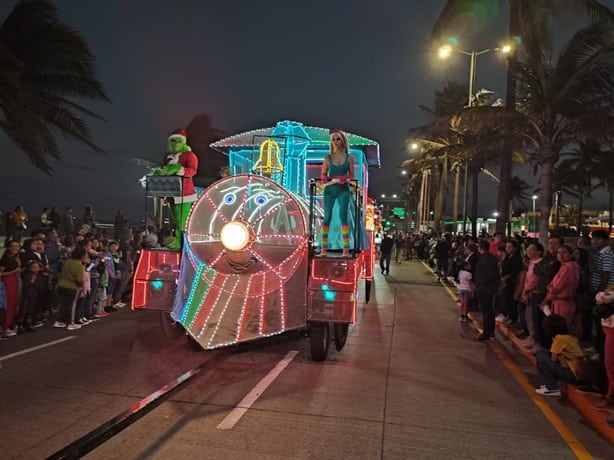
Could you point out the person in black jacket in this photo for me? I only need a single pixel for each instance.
(486, 280)
(386, 253)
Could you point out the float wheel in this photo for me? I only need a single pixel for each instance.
(170, 327)
(368, 290)
(341, 334)
(319, 340)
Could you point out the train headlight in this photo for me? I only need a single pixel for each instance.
(235, 236)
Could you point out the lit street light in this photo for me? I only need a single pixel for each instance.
(444, 52)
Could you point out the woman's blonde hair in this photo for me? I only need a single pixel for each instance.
(346, 147)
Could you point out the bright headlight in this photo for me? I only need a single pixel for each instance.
(235, 236)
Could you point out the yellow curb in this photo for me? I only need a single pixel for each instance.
(581, 402)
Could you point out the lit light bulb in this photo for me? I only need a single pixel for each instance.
(235, 236)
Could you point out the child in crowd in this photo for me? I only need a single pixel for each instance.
(33, 286)
(101, 295)
(564, 361)
(81, 316)
(466, 289)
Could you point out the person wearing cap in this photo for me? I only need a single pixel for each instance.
(180, 161)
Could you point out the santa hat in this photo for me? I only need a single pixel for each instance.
(179, 133)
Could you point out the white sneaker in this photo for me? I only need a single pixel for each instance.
(121, 304)
(500, 318)
(528, 342)
(10, 332)
(73, 327)
(542, 390)
(59, 324)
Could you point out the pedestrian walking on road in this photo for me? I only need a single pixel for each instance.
(386, 254)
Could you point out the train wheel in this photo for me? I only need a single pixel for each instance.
(319, 339)
(193, 344)
(170, 327)
(367, 290)
(341, 334)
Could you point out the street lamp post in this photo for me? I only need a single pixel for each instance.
(534, 197)
(445, 52)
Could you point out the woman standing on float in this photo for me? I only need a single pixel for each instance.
(337, 169)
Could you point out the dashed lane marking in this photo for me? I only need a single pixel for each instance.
(231, 419)
(38, 347)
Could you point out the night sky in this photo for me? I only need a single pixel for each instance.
(362, 66)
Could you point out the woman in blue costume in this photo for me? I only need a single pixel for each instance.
(337, 170)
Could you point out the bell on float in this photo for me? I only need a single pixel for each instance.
(268, 159)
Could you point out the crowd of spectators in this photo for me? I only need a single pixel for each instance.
(557, 299)
(65, 275)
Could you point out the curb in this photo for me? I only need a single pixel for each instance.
(583, 403)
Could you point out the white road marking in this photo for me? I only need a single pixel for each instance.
(231, 419)
(38, 347)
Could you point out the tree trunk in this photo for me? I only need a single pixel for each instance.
(475, 175)
(611, 203)
(455, 203)
(442, 192)
(505, 171)
(545, 197)
(580, 213)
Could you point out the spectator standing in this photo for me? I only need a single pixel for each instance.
(534, 293)
(19, 220)
(466, 289)
(89, 217)
(442, 254)
(602, 273)
(45, 219)
(511, 266)
(605, 310)
(386, 254)
(55, 218)
(472, 256)
(68, 221)
(562, 289)
(33, 287)
(494, 244)
(10, 266)
(584, 312)
(487, 281)
(69, 284)
(399, 244)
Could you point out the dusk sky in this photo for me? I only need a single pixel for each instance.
(362, 66)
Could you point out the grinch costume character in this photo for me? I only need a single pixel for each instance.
(180, 161)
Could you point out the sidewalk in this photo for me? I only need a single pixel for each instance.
(584, 403)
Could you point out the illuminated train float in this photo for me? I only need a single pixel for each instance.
(248, 268)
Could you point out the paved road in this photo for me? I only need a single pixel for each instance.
(410, 384)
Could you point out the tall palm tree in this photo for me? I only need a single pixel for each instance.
(530, 24)
(604, 157)
(520, 192)
(438, 144)
(44, 67)
(564, 100)
(580, 170)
